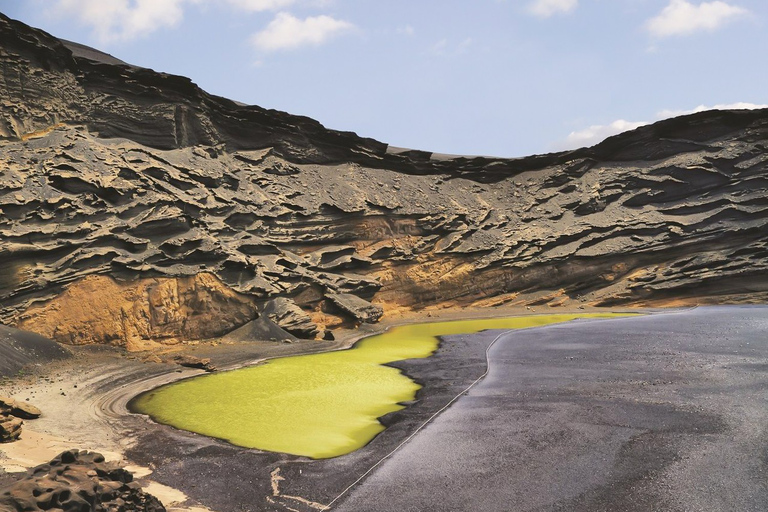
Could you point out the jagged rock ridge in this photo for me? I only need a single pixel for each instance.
(114, 170)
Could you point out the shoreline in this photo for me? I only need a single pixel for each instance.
(97, 395)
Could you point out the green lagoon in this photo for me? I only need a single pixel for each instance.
(317, 405)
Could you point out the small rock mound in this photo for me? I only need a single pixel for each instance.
(76, 481)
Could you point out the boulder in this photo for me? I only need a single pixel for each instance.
(10, 428)
(195, 362)
(78, 480)
(359, 309)
(290, 317)
(19, 409)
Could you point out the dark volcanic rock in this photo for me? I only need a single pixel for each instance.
(77, 481)
(359, 309)
(290, 317)
(111, 169)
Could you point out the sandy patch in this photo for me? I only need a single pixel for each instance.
(33, 449)
(173, 499)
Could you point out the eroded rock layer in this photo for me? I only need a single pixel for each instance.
(197, 207)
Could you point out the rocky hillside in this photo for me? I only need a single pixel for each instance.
(134, 207)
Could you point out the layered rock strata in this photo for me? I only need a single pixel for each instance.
(172, 214)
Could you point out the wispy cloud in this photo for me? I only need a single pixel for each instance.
(408, 30)
(548, 8)
(439, 48)
(682, 18)
(597, 133)
(287, 32)
(261, 5)
(445, 47)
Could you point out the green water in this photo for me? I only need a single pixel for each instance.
(318, 405)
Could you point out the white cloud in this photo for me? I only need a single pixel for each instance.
(261, 5)
(439, 47)
(681, 18)
(665, 114)
(464, 46)
(123, 19)
(597, 133)
(408, 30)
(547, 8)
(286, 32)
(444, 47)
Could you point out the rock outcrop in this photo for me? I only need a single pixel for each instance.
(139, 313)
(114, 170)
(290, 317)
(78, 480)
(361, 310)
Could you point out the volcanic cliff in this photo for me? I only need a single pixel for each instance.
(135, 207)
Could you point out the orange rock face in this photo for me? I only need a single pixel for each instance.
(142, 313)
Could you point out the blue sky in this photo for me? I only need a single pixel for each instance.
(491, 77)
